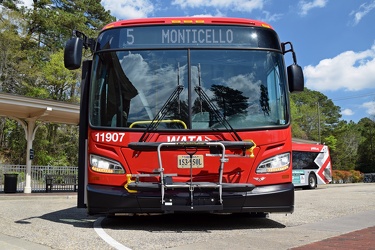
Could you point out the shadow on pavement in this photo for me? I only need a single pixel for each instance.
(188, 222)
(78, 217)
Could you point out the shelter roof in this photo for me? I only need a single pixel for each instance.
(23, 107)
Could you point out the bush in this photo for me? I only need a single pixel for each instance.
(344, 176)
(356, 176)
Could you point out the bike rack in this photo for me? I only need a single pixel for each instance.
(210, 194)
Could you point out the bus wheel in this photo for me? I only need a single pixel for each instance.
(312, 181)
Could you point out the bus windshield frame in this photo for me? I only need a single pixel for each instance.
(158, 75)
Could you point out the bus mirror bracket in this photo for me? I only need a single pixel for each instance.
(294, 71)
(73, 49)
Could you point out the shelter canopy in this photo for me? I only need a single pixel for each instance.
(28, 111)
(21, 107)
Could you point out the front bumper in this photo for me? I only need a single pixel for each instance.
(268, 199)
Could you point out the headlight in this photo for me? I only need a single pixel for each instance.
(104, 165)
(274, 164)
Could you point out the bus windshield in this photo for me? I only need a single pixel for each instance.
(189, 87)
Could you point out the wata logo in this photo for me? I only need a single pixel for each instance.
(188, 138)
(259, 178)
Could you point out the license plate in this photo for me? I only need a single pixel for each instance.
(183, 161)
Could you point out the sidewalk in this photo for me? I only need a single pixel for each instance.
(354, 232)
(40, 195)
(13, 243)
(361, 239)
(338, 233)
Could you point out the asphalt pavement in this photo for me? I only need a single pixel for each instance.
(27, 221)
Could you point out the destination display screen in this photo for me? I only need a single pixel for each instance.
(188, 36)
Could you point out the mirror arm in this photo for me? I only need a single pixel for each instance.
(283, 45)
(87, 42)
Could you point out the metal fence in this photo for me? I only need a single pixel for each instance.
(38, 176)
(370, 177)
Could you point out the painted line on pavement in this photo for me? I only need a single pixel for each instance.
(102, 234)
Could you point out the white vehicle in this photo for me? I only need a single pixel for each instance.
(311, 164)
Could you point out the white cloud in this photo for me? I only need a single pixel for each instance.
(129, 9)
(362, 11)
(347, 112)
(202, 15)
(236, 5)
(306, 6)
(26, 3)
(370, 107)
(268, 17)
(349, 71)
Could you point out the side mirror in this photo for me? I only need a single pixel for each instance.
(73, 53)
(295, 78)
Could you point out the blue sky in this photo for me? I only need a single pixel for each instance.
(334, 39)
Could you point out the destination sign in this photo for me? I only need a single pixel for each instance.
(188, 35)
(200, 36)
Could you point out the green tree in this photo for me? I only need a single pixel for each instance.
(331, 141)
(50, 22)
(60, 83)
(14, 142)
(348, 139)
(297, 130)
(319, 116)
(56, 145)
(366, 148)
(13, 61)
(42, 31)
(31, 64)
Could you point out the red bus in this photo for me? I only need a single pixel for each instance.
(311, 164)
(185, 114)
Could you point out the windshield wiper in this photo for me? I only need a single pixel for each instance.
(203, 96)
(162, 113)
(164, 110)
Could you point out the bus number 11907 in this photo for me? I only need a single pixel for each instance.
(109, 137)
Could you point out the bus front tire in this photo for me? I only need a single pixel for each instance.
(312, 181)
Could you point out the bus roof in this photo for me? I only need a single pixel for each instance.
(306, 145)
(188, 20)
(310, 147)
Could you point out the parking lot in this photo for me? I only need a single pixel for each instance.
(52, 221)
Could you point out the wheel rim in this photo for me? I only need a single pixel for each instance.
(312, 181)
